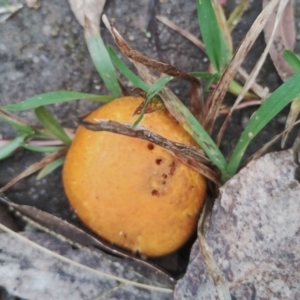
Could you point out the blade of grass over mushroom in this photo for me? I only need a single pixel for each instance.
(191, 156)
(215, 46)
(9, 148)
(101, 58)
(292, 59)
(266, 112)
(50, 168)
(55, 97)
(35, 167)
(153, 90)
(52, 125)
(182, 114)
(172, 103)
(232, 68)
(123, 69)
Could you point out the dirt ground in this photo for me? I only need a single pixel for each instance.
(44, 50)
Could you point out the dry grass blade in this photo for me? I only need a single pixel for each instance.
(30, 243)
(284, 38)
(196, 89)
(255, 87)
(235, 63)
(293, 114)
(191, 156)
(255, 70)
(223, 25)
(235, 16)
(263, 149)
(192, 38)
(213, 269)
(15, 118)
(92, 9)
(78, 238)
(150, 63)
(35, 167)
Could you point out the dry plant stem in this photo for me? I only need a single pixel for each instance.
(262, 150)
(181, 31)
(256, 88)
(213, 269)
(12, 117)
(222, 22)
(81, 266)
(35, 167)
(235, 16)
(231, 70)
(73, 235)
(191, 156)
(196, 89)
(255, 70)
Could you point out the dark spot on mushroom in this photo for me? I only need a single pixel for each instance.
(172, 168)
(158, 161)
(150, 146)
(165, 176)
(155, 193)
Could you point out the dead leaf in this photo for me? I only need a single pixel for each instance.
(81, 239)
(60, 272)
(253, 234)
(285, 38)
(91, 9)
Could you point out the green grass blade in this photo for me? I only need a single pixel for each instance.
(51, 125)
(266, 112)
(127, 73)
(292, 59)
(42, 149)
(102, 60)
(55, 97)
(211, 35)
(9, 148)
(153, 90)
(20, 127)
(50, 168)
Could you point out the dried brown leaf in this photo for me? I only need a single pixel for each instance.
(38, 266)
(90, 9)
(80, 239)
(137, 57)
(253, 234)
(285, 38)
(191, 156)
